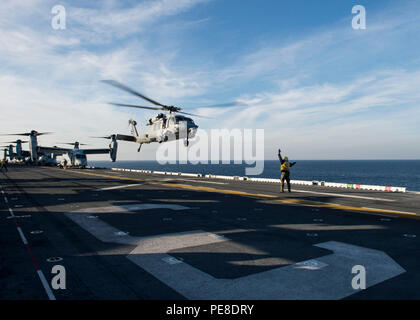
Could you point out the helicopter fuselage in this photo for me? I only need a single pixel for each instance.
(166, 127)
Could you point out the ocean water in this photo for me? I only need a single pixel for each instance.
(396, 173)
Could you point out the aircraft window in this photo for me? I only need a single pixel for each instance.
(180, 118)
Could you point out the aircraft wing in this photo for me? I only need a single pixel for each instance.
(56, 150)
(126, 138)
(95, 151)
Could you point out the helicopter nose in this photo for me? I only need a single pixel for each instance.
(192, 130)
(192, 125)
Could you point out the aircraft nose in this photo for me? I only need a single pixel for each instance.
(192, 125)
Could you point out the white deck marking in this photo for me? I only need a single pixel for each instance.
(191, 180)
(327, 277)
(344, 195)
(44, 282)
(46, 285)
(22, 236)
(119, 187)
(199, 181)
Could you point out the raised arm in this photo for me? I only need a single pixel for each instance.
(280, 158)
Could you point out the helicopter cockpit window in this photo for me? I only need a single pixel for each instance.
(180, 118)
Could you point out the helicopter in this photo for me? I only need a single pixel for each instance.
(172, 125)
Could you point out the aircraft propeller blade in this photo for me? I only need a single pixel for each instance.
(35, 133)
(105, 137)
(16, 134)
(73, 143)
(16, 141)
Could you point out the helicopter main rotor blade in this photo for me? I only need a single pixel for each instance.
(195, 115)
(134, 106)
(132, 91)
(222, 105)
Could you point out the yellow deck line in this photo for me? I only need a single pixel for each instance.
(265, 196)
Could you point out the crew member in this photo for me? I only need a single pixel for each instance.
(3, 165)
(285, 171)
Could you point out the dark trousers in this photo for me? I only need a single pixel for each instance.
(285, 176)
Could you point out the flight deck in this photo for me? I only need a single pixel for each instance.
(131, 235)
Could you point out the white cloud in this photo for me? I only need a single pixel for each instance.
(50, 80)
(108, 22)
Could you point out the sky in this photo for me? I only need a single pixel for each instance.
(318, 88)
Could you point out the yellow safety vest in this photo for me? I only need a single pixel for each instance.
(285, 166)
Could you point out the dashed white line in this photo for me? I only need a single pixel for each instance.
(41, 276)
(46, 285)
(120, 187)
(22, 236)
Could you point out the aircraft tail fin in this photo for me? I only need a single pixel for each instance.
(133, 125)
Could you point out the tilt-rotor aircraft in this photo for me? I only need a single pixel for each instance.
(6, 150)
(76, 157)
(34, 150)
(163, 127)
(19, 155)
